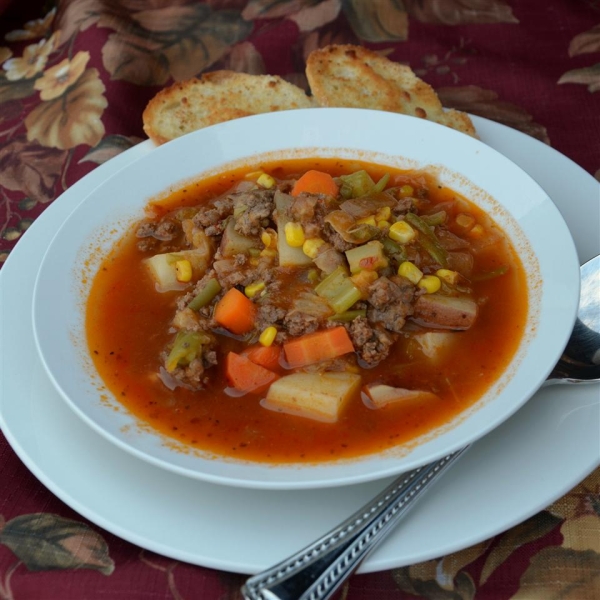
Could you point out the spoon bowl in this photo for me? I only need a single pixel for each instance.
(580, 362)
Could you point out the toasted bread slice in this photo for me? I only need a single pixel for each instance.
(353, 76)
(216, 97)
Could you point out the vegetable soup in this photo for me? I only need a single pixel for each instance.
(306, 310)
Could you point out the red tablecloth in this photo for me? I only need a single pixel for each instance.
(74, 78)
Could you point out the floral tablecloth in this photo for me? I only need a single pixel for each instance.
(74, 78)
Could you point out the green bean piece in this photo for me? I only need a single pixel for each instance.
(186, 347)
(380, 185)
(205, 295)
(393, 249)
(348, 316)
(346, 191)
(434, 250)
(491, 274)
(429, 240)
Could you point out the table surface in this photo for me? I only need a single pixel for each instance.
(75, 76)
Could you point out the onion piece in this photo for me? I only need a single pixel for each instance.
(367, 205)
(349, 230)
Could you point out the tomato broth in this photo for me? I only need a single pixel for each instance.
(130, 327)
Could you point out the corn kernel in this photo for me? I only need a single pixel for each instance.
(430, 283)
(450, 277)
(311, 247)
(402, 232)
(266, 181)
(269, 238)
(268, 253)
(383, 214)
(465, 221)
(183, 270)
(410, 271)
(254, 261)
(294, 234)
(267, 337)
(407, 190)
(370, 220)
(265, 239)
(255, 288)
(477, 231)
(383, 225)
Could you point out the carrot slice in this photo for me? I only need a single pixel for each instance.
(318, 346)
(246, 376)
(265, 356)
(316, 182)
(235, 312)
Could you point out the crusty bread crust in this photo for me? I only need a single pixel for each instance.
(339, 75)
(216, 97)
(353, 76)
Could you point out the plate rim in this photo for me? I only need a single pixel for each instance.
(379, 560)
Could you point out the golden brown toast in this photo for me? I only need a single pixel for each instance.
(216, 97)
(353, 76)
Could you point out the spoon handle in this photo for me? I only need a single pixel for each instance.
(317, 571)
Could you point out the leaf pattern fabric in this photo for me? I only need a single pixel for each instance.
(75, 76)
(45, 541)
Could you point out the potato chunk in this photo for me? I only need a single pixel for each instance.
(318, 396)
(163, 271)
(233, 243)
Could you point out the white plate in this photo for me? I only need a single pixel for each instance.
(518, 205)
(532, 459)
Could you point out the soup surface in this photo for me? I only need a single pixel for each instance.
(306, 310)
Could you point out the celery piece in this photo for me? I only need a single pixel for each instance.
(369, 256)
(339, 290)
(428, 240)
(185, 348)
(329, 287)
(347, 295)
(205, 295)
(348, 316)
(359, 182)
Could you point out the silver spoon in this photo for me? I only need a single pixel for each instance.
(317, 571)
